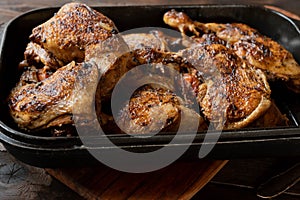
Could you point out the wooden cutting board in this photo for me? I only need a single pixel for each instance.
(181, 180)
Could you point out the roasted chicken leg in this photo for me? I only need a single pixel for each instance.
(260, 51)
(50, 102)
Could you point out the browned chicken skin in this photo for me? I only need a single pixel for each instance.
(233, 93)
(67, 34)
(260, 51)
(50, 102)
(43, 97)
(159, 113)
(152, 109)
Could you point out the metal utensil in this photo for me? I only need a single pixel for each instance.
(280, 183)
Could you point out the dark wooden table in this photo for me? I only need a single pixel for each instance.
(237, 180)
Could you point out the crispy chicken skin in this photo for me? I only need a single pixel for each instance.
(153, 59)
(260, 51)
(50, 102)
(152, 109)
(233, 94)
(149, 110)
(75, 33)
(68, 33)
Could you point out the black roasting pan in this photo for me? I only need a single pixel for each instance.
(45, 151)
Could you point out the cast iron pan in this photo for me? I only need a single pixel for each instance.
(44, 151)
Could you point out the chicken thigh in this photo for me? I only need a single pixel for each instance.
(65, 37)
(260, 51)
(153, 109)
(233, 93)
(50, 102)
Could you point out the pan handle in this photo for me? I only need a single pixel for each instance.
(285, 12)
(292, 16)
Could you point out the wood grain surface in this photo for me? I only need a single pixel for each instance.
(181, 180)
(178, 181)
(24, 182)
